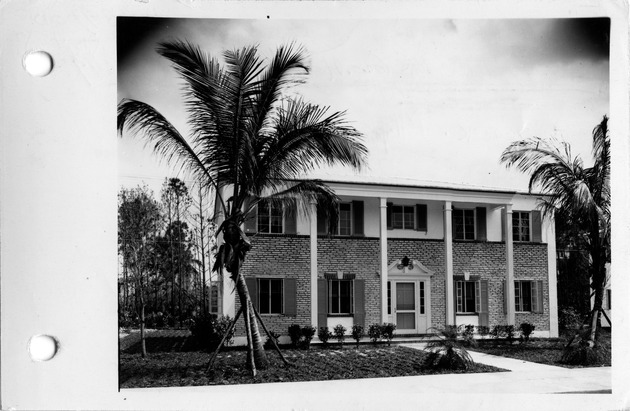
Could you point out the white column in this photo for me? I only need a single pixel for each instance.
(383, 240)
(509, 252)
(314, 264)
(552, 275)
(448, 262)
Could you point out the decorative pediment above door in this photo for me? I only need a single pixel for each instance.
(407, 267)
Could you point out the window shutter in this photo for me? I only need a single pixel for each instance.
(481, 224)
(290, 297)
(251, 221)
(290, 221)
(322, 224)
(484, 318)
(421, 217)
(357, 216)
(537, 291)
(453, 224)
(503, 227)
(322, 302)
(252, 287)
(536, 226)
(389, 216)
(359, 302)
(458, 292)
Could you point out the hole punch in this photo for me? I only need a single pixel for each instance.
(38, 63)
(42, 347)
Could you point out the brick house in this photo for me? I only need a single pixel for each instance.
(418, 256)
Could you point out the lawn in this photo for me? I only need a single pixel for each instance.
(540, 350)
(176, 361)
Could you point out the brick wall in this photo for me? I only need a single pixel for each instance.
(288, 256)
(530, 263)
(280, 256)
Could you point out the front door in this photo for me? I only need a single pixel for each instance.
(409, 307)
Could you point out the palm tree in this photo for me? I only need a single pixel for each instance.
(577, 194)
(249, 142)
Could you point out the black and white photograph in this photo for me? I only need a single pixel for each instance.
(314, 205)
(315, 200)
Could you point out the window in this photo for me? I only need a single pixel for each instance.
(520, 226)
(345, 219)
(468, 296)
(340, 297)
(270, 296)
(403, 217)
(269, 218)
(528, 296)
(464, 224)
(389, 297)
(214, 299)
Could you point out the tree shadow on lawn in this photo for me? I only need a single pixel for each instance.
(168, 369)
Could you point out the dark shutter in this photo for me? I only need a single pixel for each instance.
(536, 227)
(503, 225)
(322, 302)
(359, 302)
(453, 223)
(357, 216)
(483, 312)
(290, 221)
(252, 287)
(539, 307)
(389, 216)
(251, 220)
(454, 319)
(481, 224)
(322, 226)
(290, 296)
(421, 217)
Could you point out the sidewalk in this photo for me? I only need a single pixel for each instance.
(524, 377)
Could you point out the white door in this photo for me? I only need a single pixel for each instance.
(409, 304)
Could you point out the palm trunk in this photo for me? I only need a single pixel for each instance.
(260, 357)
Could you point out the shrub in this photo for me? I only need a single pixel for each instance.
(569, 320)
(374, 332)
(387, 331)
(468, 335)
(324, 335)
(582, 354)
(526, 330)
(295, 333)
(483, 330)
(307, 333)
(357, 333)
(446, 351)
(509, 333)
(268, 343)
(208, 330)
(340, 333)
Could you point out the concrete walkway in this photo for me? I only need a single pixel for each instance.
(524, 377)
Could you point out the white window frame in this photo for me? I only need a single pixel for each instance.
(404, 222)
(518, 297)
(514, 228)
(330, 298)
(460, 291)
(259, 296)
(338, 231)
(268, 231)
(474, 230)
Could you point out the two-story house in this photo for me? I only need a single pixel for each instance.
(418, 256)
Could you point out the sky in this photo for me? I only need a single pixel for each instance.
(436, 100)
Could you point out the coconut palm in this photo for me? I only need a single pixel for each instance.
(250, 142)
(577, 194)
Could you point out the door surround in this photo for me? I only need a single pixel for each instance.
(414, 271)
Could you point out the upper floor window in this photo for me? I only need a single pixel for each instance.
(350, 220)
(269, 218)
(403, 217)
(521, 226)
(464, 224)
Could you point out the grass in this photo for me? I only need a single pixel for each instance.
(541, 350)
(177, 361)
